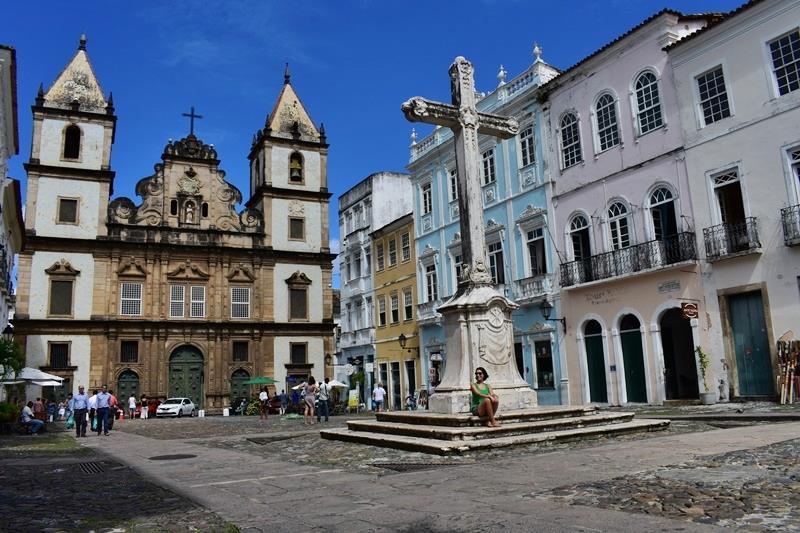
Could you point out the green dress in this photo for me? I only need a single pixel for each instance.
(476, 400)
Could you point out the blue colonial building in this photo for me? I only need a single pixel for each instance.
(516, 195)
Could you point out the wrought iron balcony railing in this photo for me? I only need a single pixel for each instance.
(790, 218)
(645, 256)
(724, 240)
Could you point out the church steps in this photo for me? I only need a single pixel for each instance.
(483, 432)
(450, 447)
(468, 420)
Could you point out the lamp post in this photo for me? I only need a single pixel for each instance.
(402, 340)
(547, 308)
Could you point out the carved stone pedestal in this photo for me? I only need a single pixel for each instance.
(479, 332)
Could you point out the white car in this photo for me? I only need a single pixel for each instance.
(176, 407)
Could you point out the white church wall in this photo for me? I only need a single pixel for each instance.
(280, 169)
(51, 148)
(316, 356)
(82, 290)
(50, 190)
(392, 197)
(79, 355)
(282, 272)
(312, 213)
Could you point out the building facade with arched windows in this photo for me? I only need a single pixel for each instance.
(182, 292)
(624, 223)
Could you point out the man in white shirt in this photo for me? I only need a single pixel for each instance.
(263, 398)
(28, 419)
(323, 407)
(92, 409)
(131, 406)
(378, 396)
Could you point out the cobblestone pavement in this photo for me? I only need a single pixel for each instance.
(49, 484)
(756, 490)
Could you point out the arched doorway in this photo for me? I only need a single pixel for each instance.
(239, 387)
(630, 337)
(680, 369)
(595, 362)
(127, 386)
(186, 374)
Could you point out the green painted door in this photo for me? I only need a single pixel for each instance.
(595, 362)
(239, 389)
(186, 374)
(751, 345)
(633, 357)
(127, 385)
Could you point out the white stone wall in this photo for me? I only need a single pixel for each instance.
(392, 197)
(311, 211)
(316, 356)
(40, 283)
(79, 355)
(282, 272)
(52, 144)
(50, 190)
(279, 171)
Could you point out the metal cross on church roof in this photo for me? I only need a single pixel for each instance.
(466, 122)
(191, 116)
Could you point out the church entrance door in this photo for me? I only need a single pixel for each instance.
(186, 374)
(239, 388)
(127, 386)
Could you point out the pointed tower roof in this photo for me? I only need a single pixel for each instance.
(289, 117)
(77, 83)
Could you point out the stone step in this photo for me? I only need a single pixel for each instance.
(483, 432)
(468, 420)
(450, 447)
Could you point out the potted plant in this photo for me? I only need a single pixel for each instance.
(708, 397)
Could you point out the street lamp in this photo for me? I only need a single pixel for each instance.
(8, 332)
(402, 340)
(547, 308)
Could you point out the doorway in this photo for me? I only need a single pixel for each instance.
(127, 386)
(595, 362)
(186, 374)
(751, 344)
(633, 357)
(680, 368)
(239, 387)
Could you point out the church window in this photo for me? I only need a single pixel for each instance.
(59, 354)
(240, 352)
(405, 245)
(392, 252)
(395, 301)
(61, 297)
(619, 226)
(527, 146)
(72, 142)
(648, 103)
(129, 352)
(427, 198)
(240, 302)
(570, 141)
(297, 228)
(489, 174)
(453, 178)
(296, 168)
(496, 266)
(130, 301)
(431, 283)
(298, 303)
(298, 353)
(379, 255)
(408, 304)
(607, 127)
(176, 299)
(67, 211)
(785, 54)
(381, 310)
(713, 96)
(173, 207)
(204, 209)
(197, 305)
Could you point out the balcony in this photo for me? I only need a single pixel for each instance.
(650, 255)
(426, 313)
(790, 218)
(357, 337)
(530, 289)
(731, 240)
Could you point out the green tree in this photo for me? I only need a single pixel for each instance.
(11, 358)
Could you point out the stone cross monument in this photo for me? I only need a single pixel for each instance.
(477, 319)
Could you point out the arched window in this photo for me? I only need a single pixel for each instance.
(662, 212)
(607, 127)
(648, 103)
(72, 142)
(570, 141)
(204, 209)
(618, 225)
(296, 167)
(579, 235)
(173, 207)
(629, 323)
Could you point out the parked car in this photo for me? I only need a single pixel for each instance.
(176, 407)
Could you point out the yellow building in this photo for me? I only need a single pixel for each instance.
(396, 336)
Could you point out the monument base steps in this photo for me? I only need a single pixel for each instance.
(442, 434)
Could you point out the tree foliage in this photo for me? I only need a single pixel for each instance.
(11, 358)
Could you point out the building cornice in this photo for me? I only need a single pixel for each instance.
(323, 195)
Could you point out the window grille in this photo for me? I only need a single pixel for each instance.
(527, 146)
(240, 302)
(453, 178)
(431, 283)
(395, 309)
(379, 255)
(785, 52)
(392, 252)
(723, 178)
(405, 245)
(130, 303)
(240, 351)
(648, 103)
(298, 353)
(607, 128)
(176, 296)
(570, 141)
(618, 222)
(59, 354)
(381, 311)
(489, 174)
(660, 196)
(713, 96)
(427, 199)
(496, 263)
(408, 304)
(197, 306)
(129, 352)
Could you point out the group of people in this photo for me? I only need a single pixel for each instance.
(316, 395)
(98, 411)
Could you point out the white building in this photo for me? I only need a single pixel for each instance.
(738, 86)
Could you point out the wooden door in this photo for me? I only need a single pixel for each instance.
(751, 344)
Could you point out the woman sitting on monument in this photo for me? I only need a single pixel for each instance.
(484, 401)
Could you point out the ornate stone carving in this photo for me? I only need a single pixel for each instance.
(240, 272)
(131, 268)
(251, 219)
(296, 208)
(121, 210)
(189, 184)
(188, 270)
(298, 278)
(494, 339)
(191, 147)
(62, 268)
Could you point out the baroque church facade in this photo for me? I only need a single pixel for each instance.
(176, 293)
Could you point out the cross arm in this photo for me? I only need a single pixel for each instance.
(419, 109)
(497, 126)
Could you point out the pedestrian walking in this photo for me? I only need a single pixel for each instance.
(113, 407)
(324, 401)
(70, 409)
(378, 396)
(263, 403)
(145, 410)
(80, 405)
(93, 410)
(284, 398)
(103, 400)
(131, 406)
(51, 411)
(310, 391)
(62, 409)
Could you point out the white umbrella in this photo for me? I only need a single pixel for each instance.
(47, 383)
(298, 387)
(32, 374)
(337, 383)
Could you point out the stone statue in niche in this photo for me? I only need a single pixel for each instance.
(190, 213)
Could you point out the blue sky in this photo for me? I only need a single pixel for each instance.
(353, 63)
